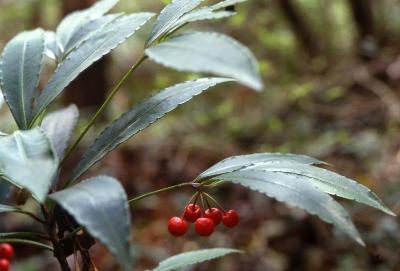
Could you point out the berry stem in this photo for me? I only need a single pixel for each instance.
(208, 204)
(169, 188)
(215, 201)
(27, 242)
(202, 200)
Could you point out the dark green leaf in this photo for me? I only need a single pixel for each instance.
(100, 205)
(86, 30)
(169, 17)
(59, 126)
(71, 23)
(140, 117)
(192, 257)
(208, 52)
(98, 45)
(19, 73)
(328, 182)
(27, 160)
(242, 161)
(226, 3)
(296, 192)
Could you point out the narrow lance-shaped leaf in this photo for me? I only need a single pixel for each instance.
(52, 46)
(328, 182)
(169, 17)
(20, 68)
(191, 52)
(86, 30)
(296, 192)
(59, 126)
(140, 117)
(100, 205)
(192, 257)
(27, 160)
(91, 50)
(71, 23)
(200, 14)
(242, 161)
(226, 3)
(208, 13)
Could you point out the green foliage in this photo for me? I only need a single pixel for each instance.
(100, 43)
(182, 260)
(59, 126)
(191, 52)
(100, 205)
(169, 18)
(20, 68)
(140, 117)
(30, 157)
(27, 160)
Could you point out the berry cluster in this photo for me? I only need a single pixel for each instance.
(204, 223)
(6, 253)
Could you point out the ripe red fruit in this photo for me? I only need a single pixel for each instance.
(230, 218)
(204, 226)
(177, 226)
(192, 212)
(4, 265)
(214, 214)
(6, 251)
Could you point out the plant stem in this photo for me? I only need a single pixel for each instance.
(32, 235)
(32, 216)
(169, 188)
(51, 228)
(27, 242)
(215, 201)
(114, 91)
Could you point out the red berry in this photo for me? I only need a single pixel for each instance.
(192, 212)
(214, 214)
(4, 265)
(6, 251)
(230, 218)
(177, 226)
(204, 226)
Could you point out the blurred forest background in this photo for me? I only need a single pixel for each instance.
(332, 74)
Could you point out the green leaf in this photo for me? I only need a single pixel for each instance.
(71, 23)
(226, 3)
(208, 52)
(197, 256)
(242, 161)
(205, 13)
(59, 126)
(328, 182)
(169, 17)
(86, 30)
(296, 192)
(52, 47)
(100, 205)
(27, 160)
(140, 117)
(19, 73)
(91, 50)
